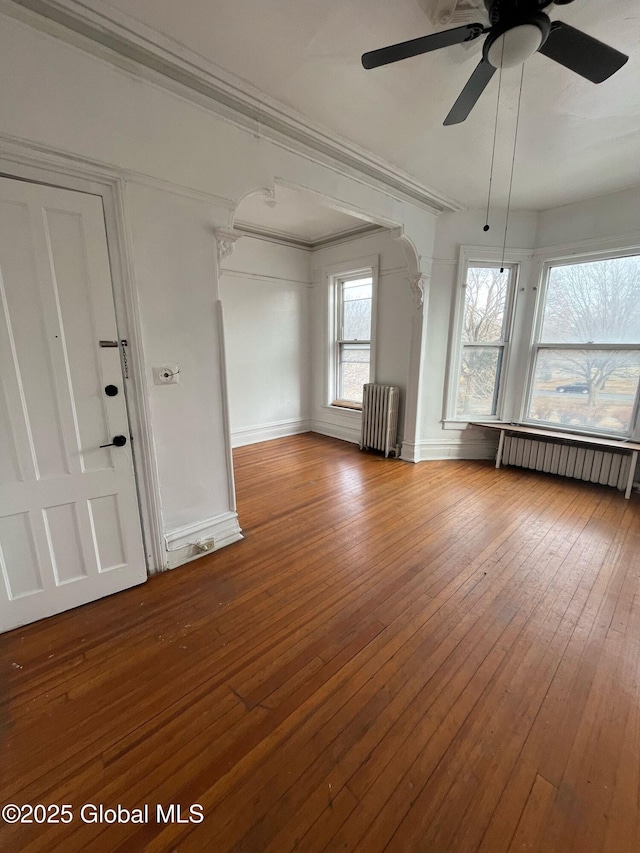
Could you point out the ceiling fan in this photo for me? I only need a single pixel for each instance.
(519, 28)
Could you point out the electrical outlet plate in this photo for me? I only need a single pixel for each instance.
(167, 375)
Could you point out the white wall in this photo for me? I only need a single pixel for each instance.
(173, 255)
(615, 216)
(265, 290)
(185, 168)
(394, 313)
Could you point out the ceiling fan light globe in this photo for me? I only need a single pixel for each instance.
(515, 46)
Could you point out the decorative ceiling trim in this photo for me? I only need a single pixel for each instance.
(298, 242)
(128, 40)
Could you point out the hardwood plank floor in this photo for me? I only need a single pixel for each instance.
(431, 658)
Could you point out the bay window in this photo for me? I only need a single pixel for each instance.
(575, 363)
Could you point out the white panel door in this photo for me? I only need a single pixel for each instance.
(69, 523)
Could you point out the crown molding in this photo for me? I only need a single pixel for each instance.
(142, 50)
(297, 242)
(628, 242)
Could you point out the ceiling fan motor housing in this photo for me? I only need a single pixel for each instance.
(514, 39)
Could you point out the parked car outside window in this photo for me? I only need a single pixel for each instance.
(573, 388)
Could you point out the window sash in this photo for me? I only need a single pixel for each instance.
(341, 337)
(344, 395)
(565, 421)
(588, 260)
(495, 392)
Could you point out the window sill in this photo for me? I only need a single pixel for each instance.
(346, 405)
(460, 425)
(577, 432)
(537, 425)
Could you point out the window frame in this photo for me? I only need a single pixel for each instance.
(474, 256)
(334, 276)
(536, 344)
(341, 342)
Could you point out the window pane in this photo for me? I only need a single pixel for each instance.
(485, 302)
(595, 302)
(590, 389)
(478, 382)
(357, 288)
(353, 371)
(356, 310)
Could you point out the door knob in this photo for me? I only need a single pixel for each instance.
(118, 441)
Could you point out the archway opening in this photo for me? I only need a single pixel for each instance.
(278, 293)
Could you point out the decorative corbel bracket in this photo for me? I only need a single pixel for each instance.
(225, 241)
(418, 284)
(269, 196)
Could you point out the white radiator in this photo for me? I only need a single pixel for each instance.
(568, 460)
(379, 417)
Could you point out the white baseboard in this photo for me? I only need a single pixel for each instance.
(181, 543)
(436, 448)
(267, 432)
(409, 452)
(334, 430)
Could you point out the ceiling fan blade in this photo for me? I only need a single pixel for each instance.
(581, 53)
(476, 84)
(424, 44)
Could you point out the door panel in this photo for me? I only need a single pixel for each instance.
(69, 522)
(20, 560)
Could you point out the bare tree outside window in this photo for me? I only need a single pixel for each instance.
(587, 359)
(484, 335)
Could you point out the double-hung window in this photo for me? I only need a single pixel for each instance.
(353, 305)
(483, 329)
(585, 362)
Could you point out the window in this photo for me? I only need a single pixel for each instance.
(351, 329)
(353, 305)
(585, 367)
(483, 326)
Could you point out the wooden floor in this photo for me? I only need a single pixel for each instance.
(435, 657)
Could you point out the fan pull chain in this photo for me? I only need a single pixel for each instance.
(493, 152)
(513, 160)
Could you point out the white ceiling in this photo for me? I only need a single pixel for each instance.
(575, 139)
(293, 215)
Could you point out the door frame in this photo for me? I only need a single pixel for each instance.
(20, 160)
